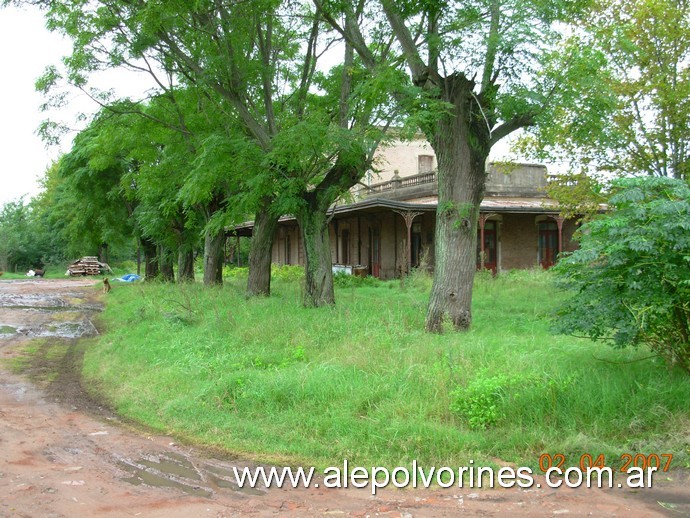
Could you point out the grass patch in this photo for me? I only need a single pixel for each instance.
(40, 360)
(362, 381)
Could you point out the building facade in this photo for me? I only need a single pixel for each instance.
(390, 226)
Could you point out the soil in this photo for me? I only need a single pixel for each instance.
(64, 454)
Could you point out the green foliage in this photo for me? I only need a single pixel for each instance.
(623, 88)
(17, 249)
(482, 400)
(344, 280)
(491, 399)
(265, 377)
(631, 275)
(579, 196)
(287, 272)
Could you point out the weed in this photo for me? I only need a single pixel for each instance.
(362, 381)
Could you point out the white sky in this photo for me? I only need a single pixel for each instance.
(27, 49)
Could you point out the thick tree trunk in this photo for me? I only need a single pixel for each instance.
(151, 270)
(103, 255)
(166, 265)
(214, 246)
(462, 147)
(185, 265)
(260, 252)
(318, 271)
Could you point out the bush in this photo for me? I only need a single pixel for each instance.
(344, 280)
(287, 272)
(494, 399)
(631, 275)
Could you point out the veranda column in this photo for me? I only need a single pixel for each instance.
(409, 216)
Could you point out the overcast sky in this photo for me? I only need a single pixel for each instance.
(27, 49)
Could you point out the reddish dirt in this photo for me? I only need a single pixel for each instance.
(63, 454)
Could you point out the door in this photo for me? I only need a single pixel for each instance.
(548, 243)
(376, 252)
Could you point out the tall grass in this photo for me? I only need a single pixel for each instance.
(362, 381)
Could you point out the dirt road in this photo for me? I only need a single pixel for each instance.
(62, 454)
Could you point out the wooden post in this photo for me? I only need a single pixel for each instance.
(408, 216)
(239, 259)
(482, 255)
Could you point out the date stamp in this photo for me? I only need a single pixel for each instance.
(659, 461)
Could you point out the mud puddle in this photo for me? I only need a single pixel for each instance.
(63, 454)
(170, 469)
(45, 315)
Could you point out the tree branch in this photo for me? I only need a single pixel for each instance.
(420, 72)
(491, 46)
(508, 127)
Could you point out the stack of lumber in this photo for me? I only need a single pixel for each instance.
(88, 265)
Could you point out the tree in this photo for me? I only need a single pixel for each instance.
(580, 196)
(631, 275)
(15, 245)
(90, 207)
(473, 79)
(256, 61)
(629, 110)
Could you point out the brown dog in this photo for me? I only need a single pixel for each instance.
(106, 285)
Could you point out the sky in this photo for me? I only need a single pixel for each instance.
(27, 49)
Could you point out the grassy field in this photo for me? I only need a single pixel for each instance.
(362, 381)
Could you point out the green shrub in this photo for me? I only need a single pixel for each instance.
(344, 280)
(631, 275)
(490, 400)
(287, 272)
(235, 272)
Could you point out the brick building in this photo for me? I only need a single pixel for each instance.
(390, 225)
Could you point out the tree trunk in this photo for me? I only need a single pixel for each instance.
(185, 265)
(103, 253)
(260, 252)
(166, 265)
(318, 270)
(151, 270)
(462, 147)
(214, 247)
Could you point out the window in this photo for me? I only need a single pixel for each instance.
(425, 163)
(287, 249)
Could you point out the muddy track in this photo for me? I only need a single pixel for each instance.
(64, 454)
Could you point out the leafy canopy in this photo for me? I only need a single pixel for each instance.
(631, 275)
(626, 110)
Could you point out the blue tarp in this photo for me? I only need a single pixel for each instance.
(130, 277)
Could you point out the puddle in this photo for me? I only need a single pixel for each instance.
(31, 301)
(51, 330)
(176, 471)
(16, 389)
(168, 470)
(62, 330)
(7, 331)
